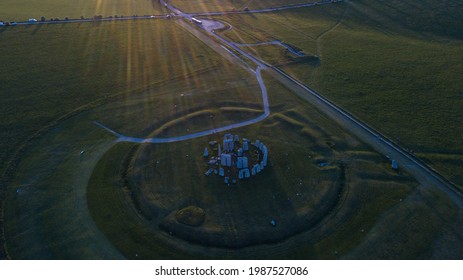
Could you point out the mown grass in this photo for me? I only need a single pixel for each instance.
(218, 96)
(40, 220)
(231, 5)
(92, 62)
(150, 185)
(22, 10)
(46, 214)
(381, 61)
(55, 72)
(135, 237)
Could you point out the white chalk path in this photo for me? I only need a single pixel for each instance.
(124, 138)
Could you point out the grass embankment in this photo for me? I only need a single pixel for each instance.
(151, 183)
(108, 194)
(55, 72)
(46, 213)
(391, 64)
(22, 10)
(231, 5)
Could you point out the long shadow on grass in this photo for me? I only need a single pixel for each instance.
(289, 222)
(37, 29)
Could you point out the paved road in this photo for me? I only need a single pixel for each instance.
(88, 20)
(423, 173)
(176, 11)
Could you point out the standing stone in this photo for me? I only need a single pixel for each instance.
(253, 171)
(264, 160)
(245, 146)
(241, 174)
(239, 163)
(245, 162)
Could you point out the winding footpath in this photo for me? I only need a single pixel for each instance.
(210, 26)
(425, 175)
(123, 138)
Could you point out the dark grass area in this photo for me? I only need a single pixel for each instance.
(89, 62)
(92, 65)
(41, 90)
(393, 64)
(153, 193)
(117, 219)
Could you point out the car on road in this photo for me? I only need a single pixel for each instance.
(32, 20)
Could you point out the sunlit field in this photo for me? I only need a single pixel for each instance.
(400, 74)
(55, 71)
(340, 211)
(22, 10)
(58, 72)
(71, 187)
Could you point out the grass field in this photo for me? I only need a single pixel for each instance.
(152, 78)
(22, 10)
(99, 62)
(231, 5)
(136, 188)
(100, 65)
(379, 61)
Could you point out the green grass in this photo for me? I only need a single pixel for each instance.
(22, 10)
(98, 63)
(218, 96)
(300, 27)
(381, 61)
(230, 5)
(144, 185)
(46, 213)
(97, 72)
(135, 238)
(100, 66)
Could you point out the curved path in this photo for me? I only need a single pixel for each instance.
(423, 173)
(124, 138)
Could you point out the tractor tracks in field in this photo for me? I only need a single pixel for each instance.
(324, 33)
